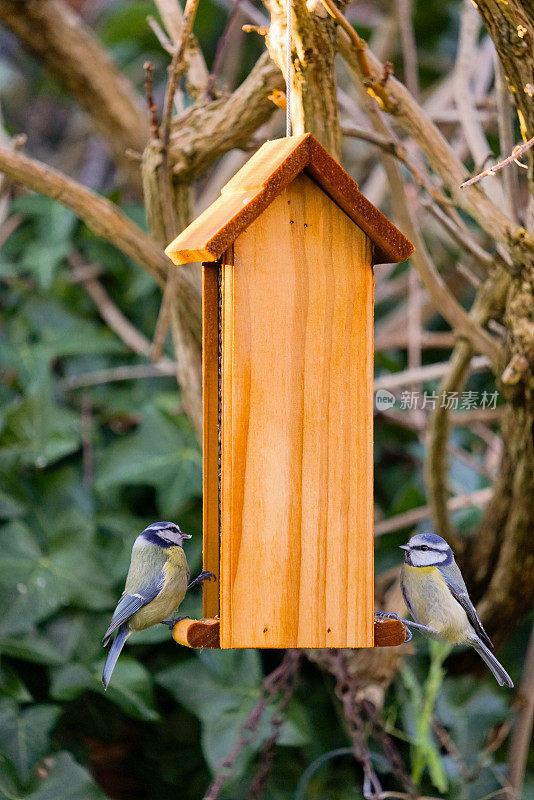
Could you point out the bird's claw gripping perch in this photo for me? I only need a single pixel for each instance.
(205, 575)
(392, 615)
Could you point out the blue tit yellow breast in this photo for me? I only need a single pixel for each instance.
(431, 603)
(176, 573)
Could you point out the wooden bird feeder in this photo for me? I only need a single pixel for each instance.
(288, 250)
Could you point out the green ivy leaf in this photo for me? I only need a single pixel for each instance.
(130, 688)
(221, 688)
(34, 585)
(162, 453)
(25, 735)
(38, 433)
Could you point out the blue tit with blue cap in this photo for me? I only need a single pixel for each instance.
(436, 596)
(156, 584)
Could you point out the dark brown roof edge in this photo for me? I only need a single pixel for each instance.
(276, 164)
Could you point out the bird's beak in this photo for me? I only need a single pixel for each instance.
(186, 536)
(404, 546)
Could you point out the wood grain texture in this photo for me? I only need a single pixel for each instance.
(197, 633)
(210, 400)
(204, 633)
(297, 493)
(269, 172)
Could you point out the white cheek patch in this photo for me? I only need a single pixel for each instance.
(427, 558)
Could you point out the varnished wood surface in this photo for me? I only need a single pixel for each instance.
(210, 347)
(197, 633)
(297, 494)
(204, 633)
(276, 164)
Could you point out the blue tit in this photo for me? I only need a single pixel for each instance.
(437, 598)
(155, 586)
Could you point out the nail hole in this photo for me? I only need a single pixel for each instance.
(305, 224)
(265, 630)
(329, 630)
(292, 221)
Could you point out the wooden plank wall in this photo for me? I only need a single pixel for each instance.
(297, 491)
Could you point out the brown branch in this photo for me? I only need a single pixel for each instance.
(428, 372)
(409, 114)
(54, 33)
(489, 302)
(152, 107)
(408, 45)
(442, 298)
(314, 104)
(197, 72)
(517, 152)
(208, 130)
(100, 215)
(108, 310)
(410, 518)
(176, 70)
(506, 138)
(163, 369)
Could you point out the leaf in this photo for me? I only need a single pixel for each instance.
(161, 453)
(130, 687)
(12, 686)
(221, 688)
(59, 778)
(31, 647)
(38, 433)
(33, 584)
(25, 735)
(10, 507)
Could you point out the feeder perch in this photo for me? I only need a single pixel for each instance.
(287, 251)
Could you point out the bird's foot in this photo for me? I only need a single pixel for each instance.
(392, 615)
(170, 622)
(387, 615)
(205, 575)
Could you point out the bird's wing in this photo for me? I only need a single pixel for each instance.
(459, 592)
(130, 603)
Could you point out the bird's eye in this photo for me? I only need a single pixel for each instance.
(424, 547)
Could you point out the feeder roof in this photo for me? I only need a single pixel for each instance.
(276, 164)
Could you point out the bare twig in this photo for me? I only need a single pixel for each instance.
(506, 138)
(436, 464)
(409, 518)
(276, 689)
(197, 72)
(152, 107)
(108, 310)
(57, 35)
(176, 69)
(99, 214)
(463, 70)
(517, 152)
(222, 44)
(440, 154)
(489, 302)
(165, 368)
(408, 46)
(429, 372)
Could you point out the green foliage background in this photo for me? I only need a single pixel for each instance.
(170, 716)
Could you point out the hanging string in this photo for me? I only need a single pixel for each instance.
(288, 69)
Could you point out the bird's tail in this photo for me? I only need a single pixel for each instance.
(114, 653)
(502, 677)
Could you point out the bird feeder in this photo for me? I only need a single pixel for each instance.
(288, 251)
